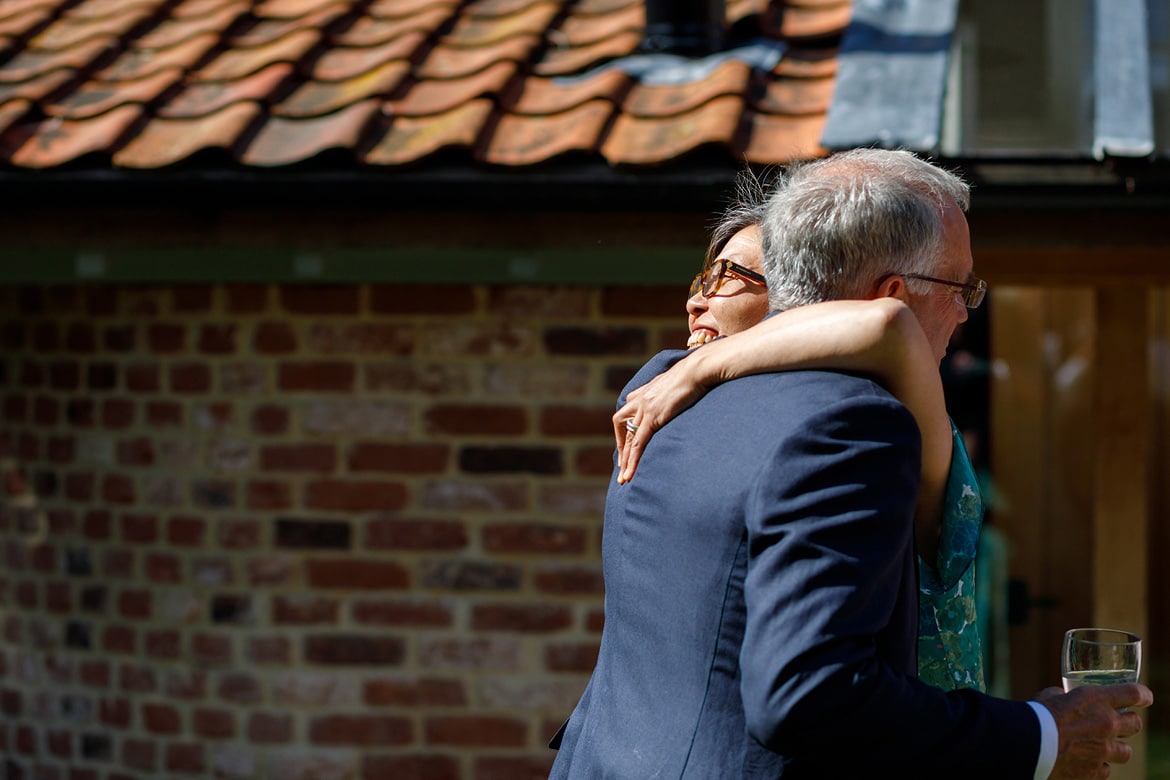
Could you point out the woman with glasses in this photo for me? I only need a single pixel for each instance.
(725, 312)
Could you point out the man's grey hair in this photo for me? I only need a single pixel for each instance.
(835, 227)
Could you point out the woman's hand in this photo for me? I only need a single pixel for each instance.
(647, 409)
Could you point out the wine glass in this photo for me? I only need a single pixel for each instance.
(1099, 656)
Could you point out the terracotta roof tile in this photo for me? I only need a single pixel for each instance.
(32, 62)
(69, 31)
(294, 9)
(175, 31)
(208, 97)
(640, 141)
(98, 9)
(284, 141)
(575, 59)
(410, 138)
(374, 31)
(18, 24)
(346, 62)
(322, 97)
(97, 97)
(138, 63)
(265, 31)
(164, 142)
(60, 141)
(527, 140)
(435, 97)
(38, 88)
(237, 63)
(778, 139)
(544, 96)
(582, 29)
(471, 30)
(730, 78)
(450, 62)
(268, 83)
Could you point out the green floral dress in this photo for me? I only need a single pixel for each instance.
(949, 652)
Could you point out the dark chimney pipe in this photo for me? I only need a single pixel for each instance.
(687, 27)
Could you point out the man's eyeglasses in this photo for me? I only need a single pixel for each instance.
(711, 279)
(972, 293)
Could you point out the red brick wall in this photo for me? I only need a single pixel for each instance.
(304, 532)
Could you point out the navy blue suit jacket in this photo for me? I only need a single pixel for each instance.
(761, 602)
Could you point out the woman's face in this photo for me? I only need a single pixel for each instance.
(737, 304)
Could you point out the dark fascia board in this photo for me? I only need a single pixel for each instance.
(1030, 180)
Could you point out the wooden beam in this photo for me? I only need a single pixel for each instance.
(1122, 484)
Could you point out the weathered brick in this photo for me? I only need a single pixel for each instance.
(143, 378)
(119, 639)
(239, 533)
(320, 299)
(573, 580)
(474, 496)
(192, 298)
(164, 413)
(402, 377)
(185, 758)
(577, 421)
(231, 608)
(351, 573)
(417, 613)
(298, 457)
(269, 650)
(575, 657)
(138, 451)
(394, 534)
(355, 496)
(304, 609)
(270, 727)
(470, 575)
(186, 531)
(139, 528)
(240, 688)
(274, 338)
(246, 298)
(511, 460)
(166, 338)
(398, 458)
(357, 417)
(476, 419)
(140, 754)
(411, 692)
(163, 567)
(313, 534)
(64, 375)
(568, 500)
(267, 494)
(412, 767)
(211, 648)
(521, 618)
(213, 724)
(319, 376)
(163, 644)
(595, 461)
(270, 420)
(217, 339)
(190, 378)
(542, 538)
(237, 379)
(94, 673)
(119, 338)
(482, 653)
(525, 301)
(476, 730)
(365, 730)
(359, 338)
(354, 650)
(161, 718)
(595, 341)
(512, 768)
(117, 414)
(135, 678)
(80, 337)
(186, 684)
(433, 299)
(135, 604)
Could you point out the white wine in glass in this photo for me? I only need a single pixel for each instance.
(1099, 656)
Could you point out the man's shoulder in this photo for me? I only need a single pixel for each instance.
(650, 369)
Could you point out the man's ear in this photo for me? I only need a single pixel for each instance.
(893, 286)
